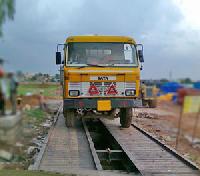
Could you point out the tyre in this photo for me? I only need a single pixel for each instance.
(152, 103)
(69, 117)
(125, 117)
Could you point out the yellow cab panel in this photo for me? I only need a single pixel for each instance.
(100, 68)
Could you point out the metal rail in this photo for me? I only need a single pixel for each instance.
(92, 148)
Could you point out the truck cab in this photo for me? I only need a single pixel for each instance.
(101, 74)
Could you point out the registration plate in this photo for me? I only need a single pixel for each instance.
(103, 105)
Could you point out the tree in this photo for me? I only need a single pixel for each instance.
(164, 80)
(7, 10)
(57, 76)
(186, 81)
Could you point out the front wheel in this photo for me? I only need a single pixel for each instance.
(125, 117)
(69, 115)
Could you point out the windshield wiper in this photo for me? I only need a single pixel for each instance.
(93, 65)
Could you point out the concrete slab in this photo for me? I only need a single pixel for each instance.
(9, 121)
(10, 128)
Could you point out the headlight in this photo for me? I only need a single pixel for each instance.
(74, 93)
(130, 92)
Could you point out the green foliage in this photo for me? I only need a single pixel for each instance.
(186, 81)
(36, 113)
(57, 76)
(164, 80)
(7, 10)
(49, 90)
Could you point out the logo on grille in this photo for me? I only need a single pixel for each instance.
(102, 77)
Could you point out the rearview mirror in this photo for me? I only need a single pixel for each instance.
(58, 58)
(140, 54)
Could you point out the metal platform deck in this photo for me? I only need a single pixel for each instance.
(148, 156)
(67, 149)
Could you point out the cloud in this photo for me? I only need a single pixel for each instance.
(29, 42)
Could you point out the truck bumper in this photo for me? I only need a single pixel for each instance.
(92, 103)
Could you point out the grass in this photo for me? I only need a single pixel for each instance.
(27, 173)
(48, 89)
(36, 113)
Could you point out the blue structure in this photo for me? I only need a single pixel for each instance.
(170, 87)
(197, 85)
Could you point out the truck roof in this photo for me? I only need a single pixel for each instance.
(100, 38)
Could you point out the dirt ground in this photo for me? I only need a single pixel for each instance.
(163, 122)
(33, 127)
(33, 131)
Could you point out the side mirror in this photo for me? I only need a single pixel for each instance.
(140, 54)
(58, 58)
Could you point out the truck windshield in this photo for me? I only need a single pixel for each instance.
(115, 54)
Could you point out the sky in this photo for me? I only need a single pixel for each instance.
(169, 31)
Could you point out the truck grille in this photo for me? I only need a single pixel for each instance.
(102, 87)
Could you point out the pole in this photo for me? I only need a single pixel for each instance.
(179, 126)
(195, 125)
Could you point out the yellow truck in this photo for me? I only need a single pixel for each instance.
(148, 95)
(101, 75)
